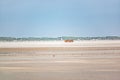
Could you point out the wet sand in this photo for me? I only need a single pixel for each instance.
(73, 61)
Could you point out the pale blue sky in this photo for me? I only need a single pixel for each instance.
(54, 18)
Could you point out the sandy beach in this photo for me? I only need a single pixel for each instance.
(57, 60)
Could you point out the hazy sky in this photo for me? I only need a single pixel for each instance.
(53, 18)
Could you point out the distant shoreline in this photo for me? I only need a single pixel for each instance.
(37, 44)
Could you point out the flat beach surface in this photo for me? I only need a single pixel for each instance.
(57, 60)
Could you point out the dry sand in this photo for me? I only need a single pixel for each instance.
(81, 60)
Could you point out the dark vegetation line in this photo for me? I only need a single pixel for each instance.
(58, 38)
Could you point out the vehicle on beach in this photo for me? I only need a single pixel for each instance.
(68, 41)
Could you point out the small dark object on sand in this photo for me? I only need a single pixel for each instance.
(53, 55)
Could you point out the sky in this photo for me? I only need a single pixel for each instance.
(54, 18)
